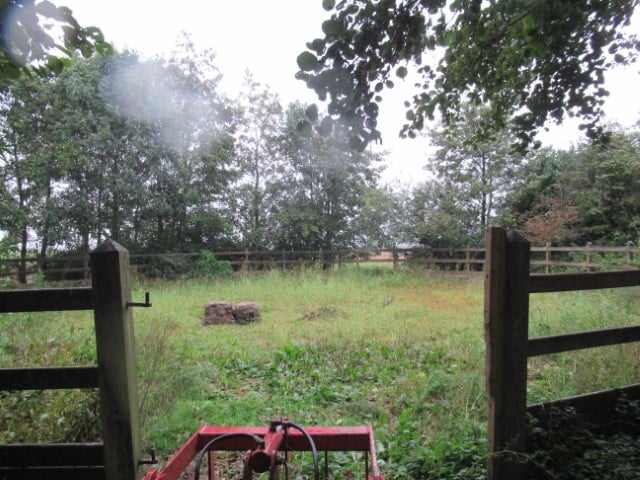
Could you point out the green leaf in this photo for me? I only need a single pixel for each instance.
(104, 48)
(86, 49)
(401, 72)
(307, 61)
(332, 28)
(312, 112)
(47, 9)
(328, 4)
(54, 64)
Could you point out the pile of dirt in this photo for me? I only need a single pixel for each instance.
(217, 313)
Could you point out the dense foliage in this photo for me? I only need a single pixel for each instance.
(528, 61)
(28, 42)
(152, 155)
(587, 194)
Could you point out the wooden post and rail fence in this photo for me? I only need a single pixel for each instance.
(118, 456)
(547, 259)
(508, 285)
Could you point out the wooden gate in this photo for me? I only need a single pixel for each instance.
(118, 456)
(508, 284)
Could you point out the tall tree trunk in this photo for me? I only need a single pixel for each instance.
(483, 183)
(24, 233)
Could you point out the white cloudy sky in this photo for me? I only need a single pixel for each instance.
(265, 37)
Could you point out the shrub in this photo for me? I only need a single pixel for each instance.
(209, 266)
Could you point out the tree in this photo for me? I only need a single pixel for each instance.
(528, 61)
(586, 194)
(442, 218)
(606, 183)
(148, 167)
(541, 201)
(320, 188)
(258, 140)
(27, 44)
(27, 163)
(384, 219)
(480, 164)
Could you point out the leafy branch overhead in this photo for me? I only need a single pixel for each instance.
(28, 40)
(530, 61)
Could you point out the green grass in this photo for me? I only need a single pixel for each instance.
(400, 350)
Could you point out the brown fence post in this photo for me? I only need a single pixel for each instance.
(244, 267)
(506, 318)
(116, 360)
(396, 258)
(589, 257)
(547, 258)
(629, 254)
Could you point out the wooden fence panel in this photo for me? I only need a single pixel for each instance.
(508, 285)
(118, 457)
(506, 329)
(469, 258)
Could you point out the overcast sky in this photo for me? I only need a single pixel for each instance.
(265, 37)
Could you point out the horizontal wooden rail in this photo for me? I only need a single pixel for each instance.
(580, 340)
(44, 300)
(48, 378)
(49, 473)
(598, 405)
(564, 282)
(51, 455)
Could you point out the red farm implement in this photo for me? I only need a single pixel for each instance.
(267, 449)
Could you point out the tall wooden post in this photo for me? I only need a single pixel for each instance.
(506, 319)
(116, 360)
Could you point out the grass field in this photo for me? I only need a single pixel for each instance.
(401, 350)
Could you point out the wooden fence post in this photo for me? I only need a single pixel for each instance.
(629, 254)
(396, 258)
(467, 259)
(547, 258)
(116, 360)
(506, 318)
(589, 257)
(245, 266)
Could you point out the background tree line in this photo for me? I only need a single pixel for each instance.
(152, 154)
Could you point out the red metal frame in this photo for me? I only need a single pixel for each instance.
(326, 439)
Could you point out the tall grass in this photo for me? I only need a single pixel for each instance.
(399, 349)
